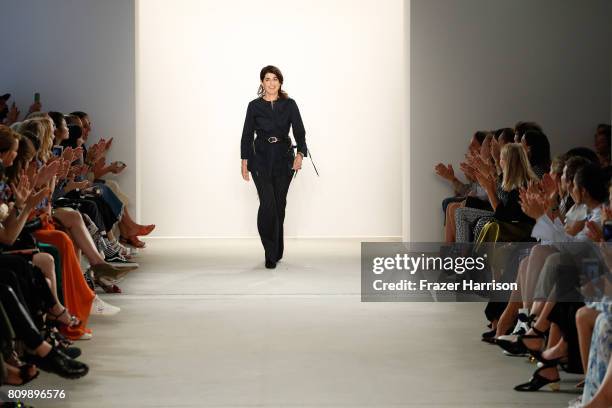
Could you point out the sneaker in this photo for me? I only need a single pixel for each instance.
(100, 307)
(119, 261)
(86, 336)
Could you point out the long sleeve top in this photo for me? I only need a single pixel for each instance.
(553, 231)
(272, 119)
(509, 208)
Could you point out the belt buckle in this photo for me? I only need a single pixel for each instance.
(272, 139)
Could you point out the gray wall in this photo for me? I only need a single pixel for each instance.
(79, 54)
(484, 64)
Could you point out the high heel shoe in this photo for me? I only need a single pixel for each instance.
(489, 337)
(106, 269)
(145, 229)
(537, 381)
(537, 354)
(107, 286)
(518, 346)
(73, 321)
(133, 241)
(24, 374)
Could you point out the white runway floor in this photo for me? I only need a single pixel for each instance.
(204, 324)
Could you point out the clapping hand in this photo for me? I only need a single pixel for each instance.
(533, 202)
(468, 170)
(485, 148)
(21, 190)
(495, 150)
(445, 171)
(36, 198)
(117, 167)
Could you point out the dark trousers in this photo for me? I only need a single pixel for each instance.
(21, 322)
(272, 192)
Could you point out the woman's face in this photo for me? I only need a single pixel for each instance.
(8, 157)
(557, 178)
(564, 183)
(61, 133)
(577, 193)
(86, 127)
(271, 84)
(502, 161)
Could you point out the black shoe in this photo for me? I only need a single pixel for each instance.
(512, 347)
(537, 381)
(489, 337)
(72, 352)
(270, 264)
(59, 363)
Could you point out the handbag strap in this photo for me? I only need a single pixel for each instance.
(312, 161)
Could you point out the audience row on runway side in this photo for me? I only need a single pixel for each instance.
(548, 225)
(58, 212)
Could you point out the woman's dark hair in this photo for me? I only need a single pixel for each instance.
(480, 135)
(507, 134)
(33, 139)
(271, 69)
(74, 133)
(521, 127)
(539, 149)
(572, 165)
(8, 137)
(79, 114)
(591, 178)
(585, 152)
(57, 118)
(25, 153)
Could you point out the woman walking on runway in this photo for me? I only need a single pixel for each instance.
(269, 157)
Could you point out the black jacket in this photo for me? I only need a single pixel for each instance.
(267, 119)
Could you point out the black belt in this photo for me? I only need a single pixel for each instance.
(274, 139)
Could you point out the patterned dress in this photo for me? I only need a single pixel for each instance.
(600, 351)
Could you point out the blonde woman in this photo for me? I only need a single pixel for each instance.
(510, 222)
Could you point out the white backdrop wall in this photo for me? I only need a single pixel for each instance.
(80, 56)
(485, 64)
(198, 66)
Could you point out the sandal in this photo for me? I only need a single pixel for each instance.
(133, 241)
(55, 338)
(24, 373)
(537, 354)
(537, 381)
(107, 286)
(73, 321)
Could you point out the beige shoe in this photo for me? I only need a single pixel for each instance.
(109, 270)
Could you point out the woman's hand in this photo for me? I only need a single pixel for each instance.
(495, 150)
(245, 171)
(532, 204)
(594, 231)
(21, 191)
(444, 171)
(297, 162)
(35, 198)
